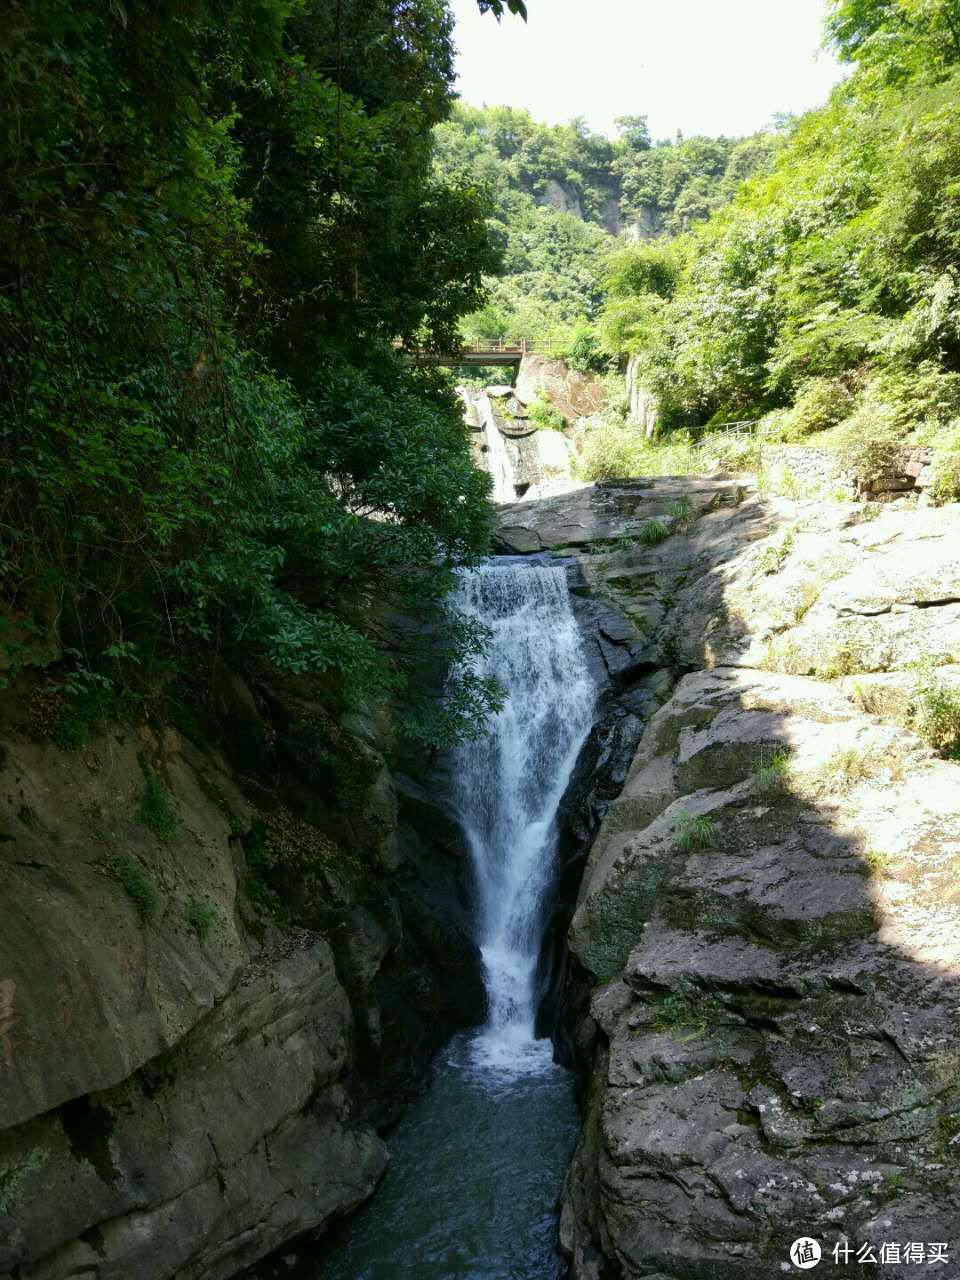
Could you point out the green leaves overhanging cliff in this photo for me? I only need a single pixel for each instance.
(215, 221)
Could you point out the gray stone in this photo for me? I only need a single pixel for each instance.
(789, 938)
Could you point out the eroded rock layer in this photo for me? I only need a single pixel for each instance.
(765, 1001)
(212, 995)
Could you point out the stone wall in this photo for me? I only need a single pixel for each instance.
(810, 467)
(914, 471)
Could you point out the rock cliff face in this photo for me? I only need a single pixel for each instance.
(188, 1079)
(765, 949)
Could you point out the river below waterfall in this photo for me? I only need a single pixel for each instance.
(476, 1167)
(478, 1161)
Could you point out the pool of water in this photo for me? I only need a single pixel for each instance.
(476, 1169)
(478, 1161)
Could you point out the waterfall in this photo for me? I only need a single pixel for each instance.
(508, 785)
(499, 462)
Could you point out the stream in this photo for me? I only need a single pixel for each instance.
(478, 1161)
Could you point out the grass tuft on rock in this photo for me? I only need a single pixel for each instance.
(693, 831)
(155, 811)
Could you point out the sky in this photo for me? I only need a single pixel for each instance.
(699, 66)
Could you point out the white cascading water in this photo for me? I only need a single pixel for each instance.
(508, 785)
(499, 462)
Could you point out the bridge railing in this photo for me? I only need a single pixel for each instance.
(493, 346)
(500, 346)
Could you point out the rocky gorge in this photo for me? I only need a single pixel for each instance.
(765, 945)
(228, 957)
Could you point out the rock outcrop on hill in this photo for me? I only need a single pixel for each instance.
(213, 990)
(765, 993)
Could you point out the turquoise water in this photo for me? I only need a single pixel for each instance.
(476, 1169)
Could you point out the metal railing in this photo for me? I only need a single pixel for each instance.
(501, 346)
(493, 347)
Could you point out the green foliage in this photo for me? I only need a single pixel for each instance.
(260, 862)
(869, 443)
(936, 710)
(90, 703)
(498, 7)
(826, 289)
(138, 888)
(674, 185)
(693, 831)
(849, 766)
(820, 403)
(946, 481)
(770, 775)
(214, 225)
(201, 918)
(615, 451)
(546, 416)
(556, 190)
(652, 532)
(154, 810)
(682, 510)
(773, 556)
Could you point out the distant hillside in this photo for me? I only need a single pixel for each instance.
(562, 194)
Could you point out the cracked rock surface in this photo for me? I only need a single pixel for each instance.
(765, 1005)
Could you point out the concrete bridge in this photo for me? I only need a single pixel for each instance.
(476, 354)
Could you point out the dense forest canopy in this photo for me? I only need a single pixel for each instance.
(215, 221)
(826, 293)
(562, 193)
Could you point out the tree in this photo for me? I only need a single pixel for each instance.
(213, 224)
(498, 7)
(635, 132)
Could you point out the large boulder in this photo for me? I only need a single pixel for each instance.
(575, 394)
(775, 953)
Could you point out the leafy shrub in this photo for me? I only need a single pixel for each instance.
(617, 452)
(946, 479)
(219, 453)
(155, 811)
(611, 453)
(936, 710)
(331, 759)
(820, 404)
(922, 398)
(86, 712)
(584, 353)
(201, 919)
(260, 864)
(138, 888)
(729, 451)
(869, 443)
(545, 415)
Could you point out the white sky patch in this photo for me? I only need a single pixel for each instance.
(700, 66)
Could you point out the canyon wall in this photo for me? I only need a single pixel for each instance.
(225, 960)
(762, 992)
